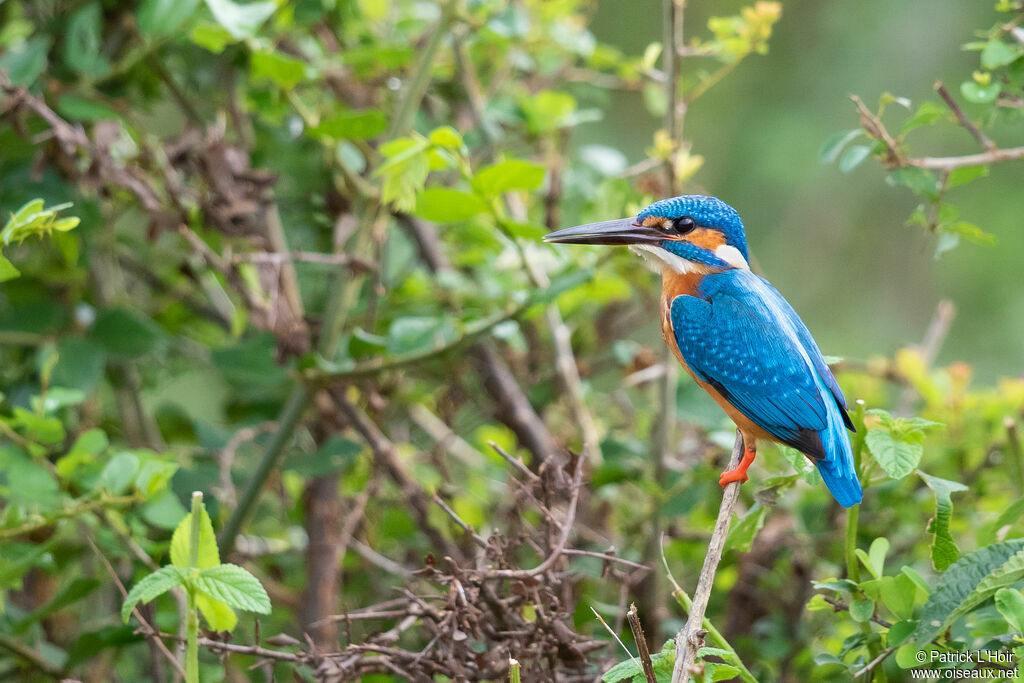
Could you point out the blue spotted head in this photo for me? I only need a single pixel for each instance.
(691, 233)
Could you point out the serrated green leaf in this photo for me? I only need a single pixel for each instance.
(445, 205)
(958, 589)
(149, 587)
(235, 587)
(508, 175)
(625, 670)
(897, 458)
(209, 556)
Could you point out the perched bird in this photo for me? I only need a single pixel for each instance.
(735, 335)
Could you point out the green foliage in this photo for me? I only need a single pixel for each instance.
(284, 206)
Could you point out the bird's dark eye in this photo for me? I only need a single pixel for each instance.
(684, 225)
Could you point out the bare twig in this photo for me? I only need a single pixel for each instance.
(641, 644)
(691, 637)
(967, 124)
(563, 537)
(148, 629)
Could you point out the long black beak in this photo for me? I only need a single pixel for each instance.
(619, 231)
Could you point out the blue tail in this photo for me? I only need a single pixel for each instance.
(836, 467)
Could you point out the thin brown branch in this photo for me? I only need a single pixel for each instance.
(641, 644)
(148, 629)
(563, 536)
(950, 163)
(691, 637)
(967, 124)
(929, 347)
(840, 606)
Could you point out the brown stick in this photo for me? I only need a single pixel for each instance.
(641, 644)
(691, 637)
(968, 125)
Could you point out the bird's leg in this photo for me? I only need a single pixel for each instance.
(740, 471)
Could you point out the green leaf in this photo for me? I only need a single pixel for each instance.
(1010, 604)
(927, 114)
(958, 589)
(626, 670)
(7, 269)
(979, 94)
(853, 157)
(24, 63)
(210, 36)
(119, 473)
(970, 232)
(154, 475)
(919, 180)
(862, 610)
(447, 137)
(126, 333)
(944, 550)
(159, 18)
(874, 559)
(741, 535)
(219, 617)
(505, 176)
(34, 220)
(209, 556)
(897, 458)
(83, 38)
(835, 143)
(285, 70)
(157, 583)
(84, 110)
(965, 174)
(235, 587)
(241, 21)
(351, 125)
(997, 54)
(445, 205)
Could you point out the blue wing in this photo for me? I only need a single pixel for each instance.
(743, 338)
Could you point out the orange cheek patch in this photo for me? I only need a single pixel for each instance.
(706, 239)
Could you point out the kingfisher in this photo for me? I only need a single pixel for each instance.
(736, 335)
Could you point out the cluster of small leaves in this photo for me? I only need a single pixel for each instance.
(995, 93)
(31, 220)
(218, 588)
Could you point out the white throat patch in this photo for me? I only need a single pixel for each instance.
(657, 258)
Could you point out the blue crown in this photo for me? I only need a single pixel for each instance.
(709, 212)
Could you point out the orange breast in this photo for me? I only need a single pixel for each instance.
(674, 284)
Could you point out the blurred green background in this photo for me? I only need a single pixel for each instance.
(836, 244)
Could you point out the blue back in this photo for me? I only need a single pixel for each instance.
(740, 336)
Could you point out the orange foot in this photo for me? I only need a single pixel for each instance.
(740, 472)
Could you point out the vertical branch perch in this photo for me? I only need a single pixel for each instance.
(691, 637)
